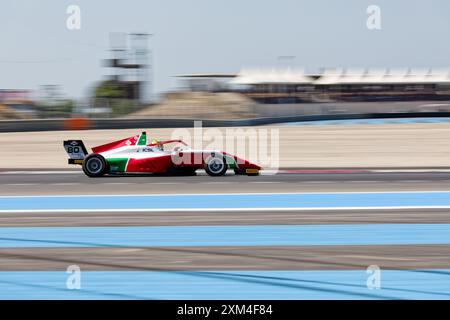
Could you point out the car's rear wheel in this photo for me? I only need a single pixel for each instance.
(216, 166)
(95, 166)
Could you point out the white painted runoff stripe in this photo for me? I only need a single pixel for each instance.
(26, 172)
(39, 172)
(410, 170)
(266, 172)
(223, 209)
(234, 202)
(222, 194)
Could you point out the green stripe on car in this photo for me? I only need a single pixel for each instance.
(231, 162)
(117, 164)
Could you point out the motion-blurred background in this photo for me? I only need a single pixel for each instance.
(357, 91)
(209, 60)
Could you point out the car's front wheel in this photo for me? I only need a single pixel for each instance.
(216, 166)
(95, 166)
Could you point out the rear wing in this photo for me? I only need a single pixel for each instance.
(76, 151)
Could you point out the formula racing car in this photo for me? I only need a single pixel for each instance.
(134, 155)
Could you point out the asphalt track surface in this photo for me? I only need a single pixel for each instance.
(97, 219)
(228, 258)
(220, 258)
(75, 182)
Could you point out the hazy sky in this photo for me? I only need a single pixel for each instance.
(205, 36)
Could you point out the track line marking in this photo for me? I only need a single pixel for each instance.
(166, 183)
(233, 202)
(265, 182)
(266, 172)
(39, 172)
(226, 194)
(222, 209)
(117, 183)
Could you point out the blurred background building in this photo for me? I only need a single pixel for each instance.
(281, 86)
(126, 90)
(17, 104)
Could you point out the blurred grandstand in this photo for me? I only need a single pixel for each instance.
(248, 94)
(333, 85)
(288, 92)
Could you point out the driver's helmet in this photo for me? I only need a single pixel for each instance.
(157, 144)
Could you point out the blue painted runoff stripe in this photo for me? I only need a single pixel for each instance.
(227, 201)
(223, 285)
(369, 121)
(270, 235)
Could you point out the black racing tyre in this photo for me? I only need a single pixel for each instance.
(95, 166)
(216, 166)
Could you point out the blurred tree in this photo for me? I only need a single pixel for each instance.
(114, 96)
(53, 103)
(109, 90)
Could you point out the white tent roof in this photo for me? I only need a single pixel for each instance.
(387, 76)
(334, 76)
(261, 76)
